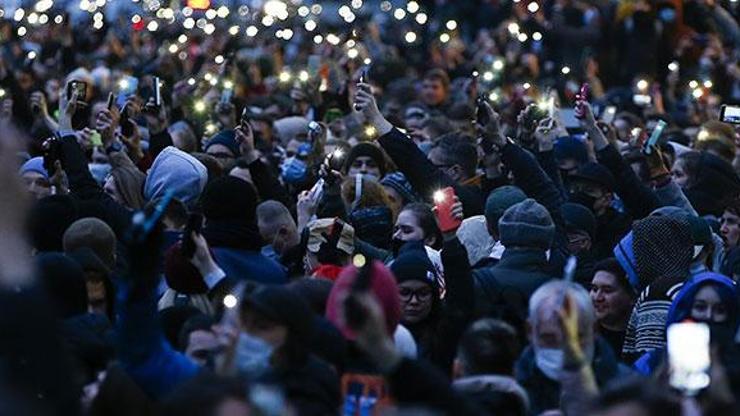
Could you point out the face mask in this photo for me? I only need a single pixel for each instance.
(667, 15)
(425, 147)
(252, 358)
(99, 171)
(550, 362)
(396, 244)
(582, 198)
(293, 170)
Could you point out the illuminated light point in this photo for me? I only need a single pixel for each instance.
(352, 53)
(199, 106)
(219, 59)
(230, 301)
(303, 11)
(191, 81)
(526, 85)
(565, 70)
(642, 85)
(451, 25)
(703, 135)
(444, 38)
(708, 84)
(370, 131)
(537, 36)
(412, 7)
(351, 43)
(385, 6)
(493, 96)
(303, 76)
(421, 18)
(234, 30)
(488, 76)
(367, 61)
(310, 25)
(513, 28)
(697, 93)
(182, 38)
(522, 37)
(693, 84)
(410, 37)
(399, 14)
(318, 39)
(358, 261)
(333, 39)
(533, 7)
(229, 84)
(252, 31)
(673, 66)
(173, 48)
(356, 4)
(284, 76)
(498, 64)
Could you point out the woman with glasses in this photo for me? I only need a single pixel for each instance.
(435, 317)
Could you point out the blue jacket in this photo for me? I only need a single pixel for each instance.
(249, 265)
(681, 310)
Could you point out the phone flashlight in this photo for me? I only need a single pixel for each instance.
(2, 93)
(199, 106)
(439, 196)
(230, 301)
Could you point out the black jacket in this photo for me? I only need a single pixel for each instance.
(544, 393)
(503, 290)
(423, 175)
(437, 338)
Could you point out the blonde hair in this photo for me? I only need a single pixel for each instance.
(373, 194)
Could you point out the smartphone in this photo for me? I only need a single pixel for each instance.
(354, 314)
(127, 128)
(96, 139)
(642, 100)
(244, 120)
(128, 86)
(80, 87)
(157, 92)
(607, 116)
(443, 200)
(688, 356)
(52, 151)
(570, 120)
(314, 65)
(729, 114)
(654, 136)
(582, 96)
(481, 114)
(111, 101)
(194, 225)
(363, 76)
(226, 95)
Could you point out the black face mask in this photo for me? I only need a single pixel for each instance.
(582, 198)
(396, 244)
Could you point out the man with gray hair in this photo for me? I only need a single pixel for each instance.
(545, 364)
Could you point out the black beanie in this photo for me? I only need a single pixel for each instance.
(230, 198)
(49, 218)
(369, 150)
(413, 263)
(64, 282)
(283, 306)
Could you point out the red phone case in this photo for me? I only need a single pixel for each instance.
(444, 210)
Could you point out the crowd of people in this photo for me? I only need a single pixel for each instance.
(449, 207)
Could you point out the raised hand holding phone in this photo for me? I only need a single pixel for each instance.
(366, 104)
(581, 99)
(448, 209)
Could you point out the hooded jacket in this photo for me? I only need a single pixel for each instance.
(657, 256)
(179, 172)
(681, 310)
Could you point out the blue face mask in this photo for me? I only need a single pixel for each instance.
(99, 171)
(425, 147)
(293, 170)
(667, 15)
(252, 358)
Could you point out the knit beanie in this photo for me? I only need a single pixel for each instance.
(412, 263)
(366, 149)
(35, 164)
(662, 247)
(225, 138)
(398, 182)
(499, 200)
(284, 306)
(180, 274)
(95, 234)
(229, 198)
(49, 219)
(569, 147)
(383, 287)
(474, 235)
(578, 217)
(64, 281)
(526, 224)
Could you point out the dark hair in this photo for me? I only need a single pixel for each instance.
(611, 266)
(458, 149)
(691, 161)
(437, 126)
(717, 147)
(732, 205)
(194, 323)
(489, 346)
(427, 221)
(440, 75)
(651, 397)
(202, 395)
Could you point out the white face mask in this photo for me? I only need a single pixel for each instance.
(252, 356)
(549, 361)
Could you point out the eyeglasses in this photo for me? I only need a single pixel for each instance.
(422, 295)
